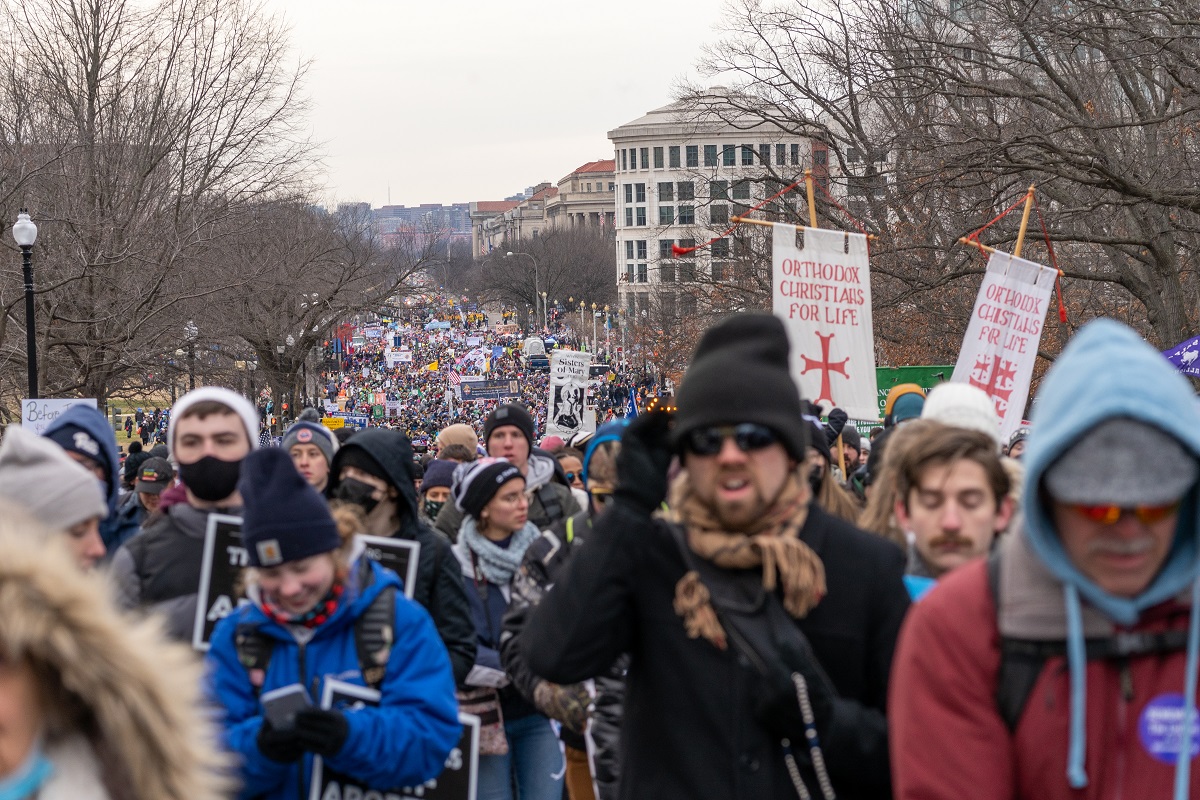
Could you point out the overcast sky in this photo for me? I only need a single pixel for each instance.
(477, 99)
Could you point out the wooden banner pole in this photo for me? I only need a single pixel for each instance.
(812, 203)
(1024, 221)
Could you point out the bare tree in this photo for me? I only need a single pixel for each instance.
(134, 130)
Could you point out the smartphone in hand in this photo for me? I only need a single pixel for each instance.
(280, 705)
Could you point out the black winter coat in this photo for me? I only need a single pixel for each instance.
(439, 583)
(690, 726)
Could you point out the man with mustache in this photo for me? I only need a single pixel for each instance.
(1065, 664)
(951, 500)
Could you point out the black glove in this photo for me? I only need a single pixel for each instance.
(321, 731)
(837, 422)
(281, 746)
(778, 708)
(643, 461)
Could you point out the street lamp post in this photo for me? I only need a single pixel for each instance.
(607, 335)
(545, 312)
(594, 315)
(190, 332)
(25, 233)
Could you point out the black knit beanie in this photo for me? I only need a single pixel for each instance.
(476, 483)
(357, 457)
(513, 414)
(283, 518)
(739, 373)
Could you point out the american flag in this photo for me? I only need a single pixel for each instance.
(455, 378)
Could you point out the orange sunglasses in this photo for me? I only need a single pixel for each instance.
(1108, 515)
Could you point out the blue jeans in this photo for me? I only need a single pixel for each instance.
(534, 764)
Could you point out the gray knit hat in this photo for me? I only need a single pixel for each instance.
(37, 474)
(314, 433)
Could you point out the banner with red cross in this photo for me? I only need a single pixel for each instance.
(822, 292)
(1002, 339)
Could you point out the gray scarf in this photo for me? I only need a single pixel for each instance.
(498, 564)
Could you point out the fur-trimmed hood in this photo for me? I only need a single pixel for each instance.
(133, 696)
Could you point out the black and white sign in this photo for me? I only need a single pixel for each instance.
(398, 555)
(224, 559)
(457, 782)
(568, 385)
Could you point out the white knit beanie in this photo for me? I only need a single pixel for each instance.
(962, 405)
(226, 397)
(38, 475)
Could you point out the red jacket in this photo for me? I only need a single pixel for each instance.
(949, 742)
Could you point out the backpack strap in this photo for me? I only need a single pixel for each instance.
(374, 636)
(254, 650)
(550, 503)
(1022, 660)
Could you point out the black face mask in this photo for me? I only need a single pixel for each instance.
(359, 493)
(210, 478)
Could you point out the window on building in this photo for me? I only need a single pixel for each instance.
(629, 273)
(645, 158)
(853, 156)
(687, 215)
(589, 186)
(720, 249)
(666, 271)
(641, 249)
(628, 216)
(719, 270)
(718, 190)
(673, 156)
(629, 193)
(642, 274)
(641, 216)
(780, 155)
(612, 187)
(795, 155)
(666, 191)
(658, 158)
(729, 155)
(687, 271)
(687, 190)
(667, 301)
(747, 155)
(629, 251)
(632, 158)
(665, 252)
(718, 214)
(820, 157)
(687, 305)
(710, 155)
(741, 190)
(624, 162)
(693, 155)
(666, 215)
(764, 154)
(630, 297)
(639, 192)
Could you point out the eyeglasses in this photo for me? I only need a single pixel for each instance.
(1109, 514)
(571, 476)
(748, 436)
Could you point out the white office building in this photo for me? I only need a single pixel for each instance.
(682, 172)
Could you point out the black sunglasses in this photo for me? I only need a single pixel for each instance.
(571, 476)
(748, 436)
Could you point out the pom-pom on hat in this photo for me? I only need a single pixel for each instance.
(284, 518)
(476, 483)
(739, 373)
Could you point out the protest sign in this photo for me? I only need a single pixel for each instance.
(1184, 357)
(333, 423)
(223, 560)
(568, 383)
(822, 292)
(1002, 338)
(404, 356)
(502, 390)
(925, 377)
(458, 781)
(36, 415)
(398, 555)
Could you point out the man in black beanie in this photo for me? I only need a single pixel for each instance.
(742, 598)
(508, 432)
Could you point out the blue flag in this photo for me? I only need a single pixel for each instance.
(632, 411)
(1186, 356)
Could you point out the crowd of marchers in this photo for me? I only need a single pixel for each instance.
(736, 599)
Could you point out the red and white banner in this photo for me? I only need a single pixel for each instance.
(822, 292)
(1001, 344)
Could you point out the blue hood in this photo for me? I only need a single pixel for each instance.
(1108, 371)
(92, 421)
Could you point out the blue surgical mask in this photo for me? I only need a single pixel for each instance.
(29, 777)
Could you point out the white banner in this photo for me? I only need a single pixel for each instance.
(568, 386)
(36, 415)
(823, 294)
(1002, 339)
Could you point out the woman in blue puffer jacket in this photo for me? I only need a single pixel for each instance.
(306, 602)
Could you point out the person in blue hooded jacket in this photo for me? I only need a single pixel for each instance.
(305, 604)
(1061, 667)
(88, 438)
